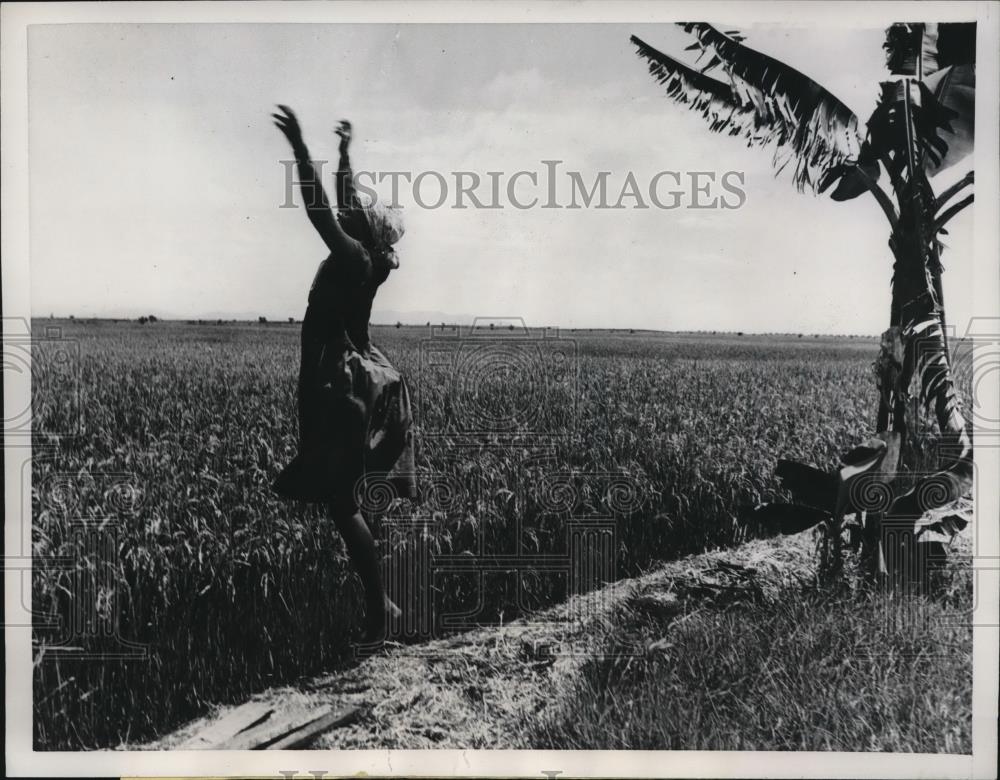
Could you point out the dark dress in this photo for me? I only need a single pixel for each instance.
(355, 419)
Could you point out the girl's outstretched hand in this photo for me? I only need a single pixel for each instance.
(288, 123)
(344, 130)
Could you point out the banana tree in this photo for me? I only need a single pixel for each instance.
(921, 125)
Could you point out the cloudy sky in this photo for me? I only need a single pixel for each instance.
(156, 177)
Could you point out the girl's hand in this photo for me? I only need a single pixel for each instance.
(288, 123)
(344, 130)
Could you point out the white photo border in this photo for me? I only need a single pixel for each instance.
(23, 761)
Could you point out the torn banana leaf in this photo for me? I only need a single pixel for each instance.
(808, 484)
(787, 519)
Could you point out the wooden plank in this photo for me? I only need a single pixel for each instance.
(281, 721)
(240, 719)
(289, 726)
(299, 737)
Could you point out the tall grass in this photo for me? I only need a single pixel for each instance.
(809, 670)
(182, 428)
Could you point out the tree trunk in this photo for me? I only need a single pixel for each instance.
(917, 394)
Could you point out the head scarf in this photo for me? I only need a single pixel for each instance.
(385, 223)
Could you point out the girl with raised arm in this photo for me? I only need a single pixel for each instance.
(353, 406)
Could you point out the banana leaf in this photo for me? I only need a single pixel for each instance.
(784, 519)
(808, 485)
(746, 93)
(954, 88)
(864, 453)
(922, 49)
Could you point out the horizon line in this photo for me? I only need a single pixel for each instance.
(264, 321)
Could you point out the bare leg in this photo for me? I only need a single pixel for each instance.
(361, 549)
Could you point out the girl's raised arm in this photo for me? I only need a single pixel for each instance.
(317, 204)
(347, 195)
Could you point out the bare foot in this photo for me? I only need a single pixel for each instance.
(391, 610)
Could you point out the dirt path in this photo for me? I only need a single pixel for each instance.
(476, 690)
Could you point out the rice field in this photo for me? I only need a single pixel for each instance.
(169, 578)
